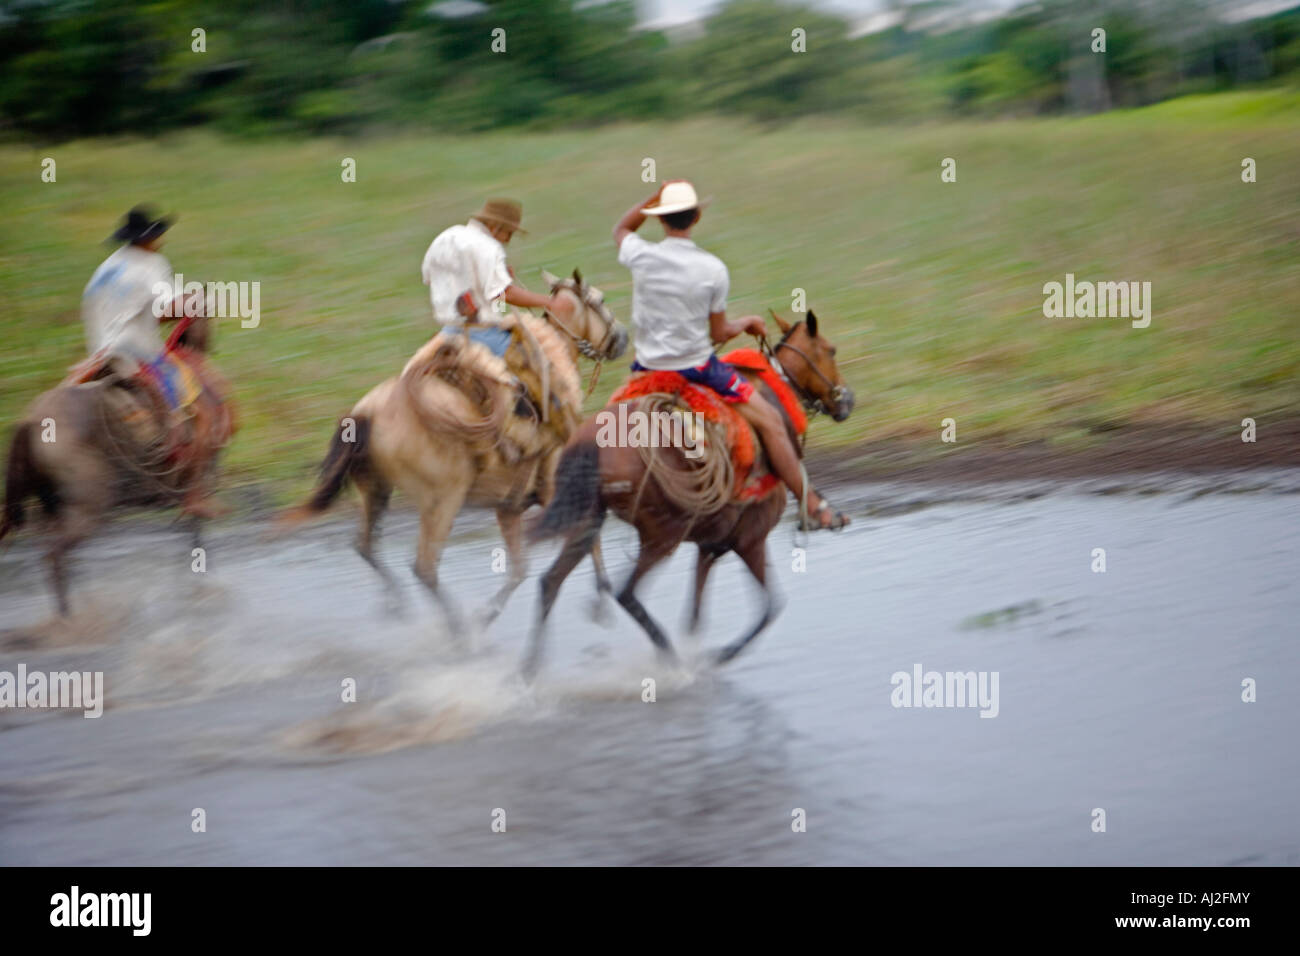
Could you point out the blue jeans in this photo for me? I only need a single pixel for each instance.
(497, 340)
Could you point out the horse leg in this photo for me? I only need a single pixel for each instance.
(755, 557)
(511, 524)
(374, 502)
(703, 565)
(435, 524)
(75, 524)
(599, 609)
(576, 546)
(652, 553)
(196, 531)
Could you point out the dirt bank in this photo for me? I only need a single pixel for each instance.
(1098, 452)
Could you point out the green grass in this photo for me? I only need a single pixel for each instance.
(933, 290)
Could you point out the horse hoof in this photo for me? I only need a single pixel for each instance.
(395, 609)
(528, 669)
(668, 658)
(600, 613)
(725, 655)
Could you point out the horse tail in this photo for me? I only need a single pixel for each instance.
(23, 478)
(577, 491)
(349, 454)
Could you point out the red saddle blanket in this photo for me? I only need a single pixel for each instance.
(753, 480)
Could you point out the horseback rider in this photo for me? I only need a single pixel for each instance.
(121, 309)
(466, 272)
(470, 284)
(679, 303)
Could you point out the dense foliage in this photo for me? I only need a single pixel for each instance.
(86, 67)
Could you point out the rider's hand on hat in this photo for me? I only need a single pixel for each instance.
(653, 200)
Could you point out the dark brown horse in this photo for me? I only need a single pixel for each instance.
(597, 477)
(83, 449)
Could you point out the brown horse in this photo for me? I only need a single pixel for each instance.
(75, 451)
(404, 435)
(596, 477)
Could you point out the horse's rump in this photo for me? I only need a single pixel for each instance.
(486, 409)
(145, 431)
(480, 381)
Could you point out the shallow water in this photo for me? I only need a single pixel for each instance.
(1119, 690)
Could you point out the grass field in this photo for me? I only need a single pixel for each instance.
(932, 290)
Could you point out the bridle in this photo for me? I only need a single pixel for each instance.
(584, 345)
(811, 403)
(595, 352)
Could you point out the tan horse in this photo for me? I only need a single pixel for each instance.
(389, 441)
(75, 451)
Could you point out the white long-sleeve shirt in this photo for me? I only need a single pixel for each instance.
(117, 306)
(465, 259)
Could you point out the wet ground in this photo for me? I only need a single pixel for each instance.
(1119, 690)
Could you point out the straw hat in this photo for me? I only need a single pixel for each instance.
(677, 196)
(501, 212)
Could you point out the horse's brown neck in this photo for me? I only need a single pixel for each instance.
(195, 337)
(802, 390)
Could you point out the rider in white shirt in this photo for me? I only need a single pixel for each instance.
(467, 275)
(679, 312)
(117, 306)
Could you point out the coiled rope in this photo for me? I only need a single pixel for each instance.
(438, 416)
(698, 486)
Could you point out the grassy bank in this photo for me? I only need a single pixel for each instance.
(932, 290)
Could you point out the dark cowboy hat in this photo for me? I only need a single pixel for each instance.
(141, 224)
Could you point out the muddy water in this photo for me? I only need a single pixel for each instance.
(1118, 690)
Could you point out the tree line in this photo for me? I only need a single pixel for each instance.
(102, 67)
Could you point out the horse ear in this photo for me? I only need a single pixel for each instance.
(812, 323)
(550, 279)
(577, 278)
(781, 323)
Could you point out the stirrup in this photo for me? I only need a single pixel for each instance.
(838, 519)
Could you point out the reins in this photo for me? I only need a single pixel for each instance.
(584, 345)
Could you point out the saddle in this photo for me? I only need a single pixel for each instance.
(752, 478)
(160, 424)
(526, 403)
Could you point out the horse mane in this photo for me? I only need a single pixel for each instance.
(564, 374)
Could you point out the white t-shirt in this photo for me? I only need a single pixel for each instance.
(676, 285)
(117, 307)
(465, 259)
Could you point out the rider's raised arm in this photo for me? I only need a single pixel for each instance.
(633, 218)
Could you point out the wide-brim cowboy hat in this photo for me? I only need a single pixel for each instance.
(678, 195)
(502, 212)
(141, 224)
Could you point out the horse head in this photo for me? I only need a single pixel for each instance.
(808, 361)
(589, 323)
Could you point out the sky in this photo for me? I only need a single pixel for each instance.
(662, 13)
